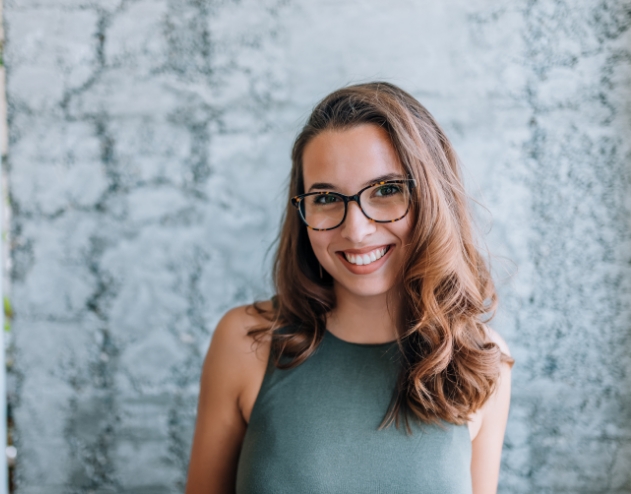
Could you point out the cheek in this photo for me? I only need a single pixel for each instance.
(405, 231)
(319, 242)
(401, 229)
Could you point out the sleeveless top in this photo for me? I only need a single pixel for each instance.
(313, 429)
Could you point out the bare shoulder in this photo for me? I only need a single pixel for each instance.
(231, 339)
(231, 375)
(502, 391)
(489, 426)
(498, 340)
(236, 360)
(236, 322)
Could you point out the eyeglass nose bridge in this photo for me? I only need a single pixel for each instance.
(352, 198)
(355, 198)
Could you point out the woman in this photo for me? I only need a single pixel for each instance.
(372, 369)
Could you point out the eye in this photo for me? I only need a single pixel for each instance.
(325, 199)
(388, 190)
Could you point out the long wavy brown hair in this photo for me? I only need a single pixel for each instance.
(450, 366)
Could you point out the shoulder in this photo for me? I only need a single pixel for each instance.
(495, 337)
(231, 333)
(494, 411)
(232, 368)
(501, 394)
(235, 323)
(232, 352)
(489, 426)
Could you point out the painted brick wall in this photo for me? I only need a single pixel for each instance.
(149, 151)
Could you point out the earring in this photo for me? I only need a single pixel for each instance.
(320, 270)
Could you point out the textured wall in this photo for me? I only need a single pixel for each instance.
(149, 144)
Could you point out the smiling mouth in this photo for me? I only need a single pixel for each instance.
(368, 257)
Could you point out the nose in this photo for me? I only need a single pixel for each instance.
(356, 226)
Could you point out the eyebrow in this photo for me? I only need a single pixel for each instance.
(380, 178)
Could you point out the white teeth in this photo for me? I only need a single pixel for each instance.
(361, 260)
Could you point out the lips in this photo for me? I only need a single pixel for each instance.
(350, 258)
(362, 259)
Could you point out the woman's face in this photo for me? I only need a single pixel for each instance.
(346, 161)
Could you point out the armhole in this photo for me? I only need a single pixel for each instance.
(270, 368)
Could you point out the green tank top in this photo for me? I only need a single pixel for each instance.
(313, 429)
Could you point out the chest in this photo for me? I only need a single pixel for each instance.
(315, 429)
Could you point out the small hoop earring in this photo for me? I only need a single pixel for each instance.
(320, 270)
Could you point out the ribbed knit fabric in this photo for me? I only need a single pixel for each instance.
(313, 429)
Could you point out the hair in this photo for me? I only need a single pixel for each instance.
(450, 366)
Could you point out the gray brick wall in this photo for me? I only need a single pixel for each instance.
(149, 151)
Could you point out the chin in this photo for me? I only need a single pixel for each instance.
(367, 288)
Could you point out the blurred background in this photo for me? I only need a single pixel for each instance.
(145, 176)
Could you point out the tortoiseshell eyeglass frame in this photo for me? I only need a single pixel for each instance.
(296, 200)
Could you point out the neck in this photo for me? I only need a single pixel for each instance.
(364, 319)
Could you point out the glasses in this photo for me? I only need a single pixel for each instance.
(382, 202)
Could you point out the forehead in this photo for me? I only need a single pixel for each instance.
(349, 158)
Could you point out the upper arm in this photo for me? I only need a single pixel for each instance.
(220, 426)
(487, 445)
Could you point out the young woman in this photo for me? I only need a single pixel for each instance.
(372, 369)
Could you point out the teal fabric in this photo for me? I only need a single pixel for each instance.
(313, 429)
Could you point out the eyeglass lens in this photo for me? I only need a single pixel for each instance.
(381, 202)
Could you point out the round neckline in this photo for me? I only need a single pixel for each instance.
(353, 343)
